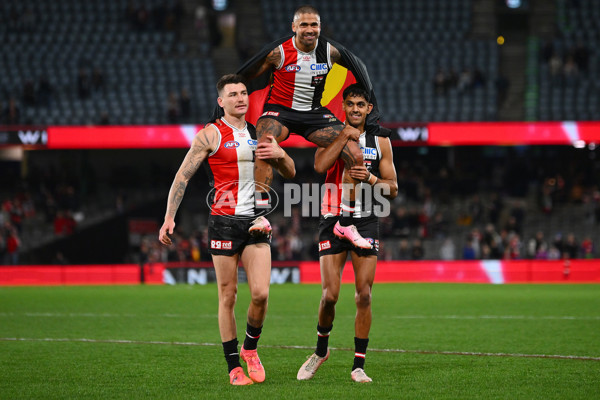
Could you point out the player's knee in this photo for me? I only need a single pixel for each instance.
(228, 296)
(363, 298)
(260, 297)
(329, 298)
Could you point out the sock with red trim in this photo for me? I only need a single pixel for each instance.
(322, 340)
(252, 336)
(360, 350)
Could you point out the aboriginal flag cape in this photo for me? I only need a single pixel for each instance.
(336, 81)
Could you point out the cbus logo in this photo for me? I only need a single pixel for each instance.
(232, 144)
(252, 142)
(292, 68)
(369, 153)
(319, 67)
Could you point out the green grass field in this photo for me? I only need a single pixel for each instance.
(428, 341)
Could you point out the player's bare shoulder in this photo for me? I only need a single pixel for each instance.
(385, 144)
(206, 140)
(335, 54)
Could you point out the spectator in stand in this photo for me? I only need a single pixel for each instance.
(401, 224)
(2, 244)
(172, 108)
(571, 247)
(587, 248)
(417, 252)
(535, 243)
(12, 113)
(44, 91)
(13, 242)
(84, 84)
(403, 252)
(98, 80)
(64, 223)
(29, 93)
(448, 250)
(185, 105)
(439, 82)
(468, 252)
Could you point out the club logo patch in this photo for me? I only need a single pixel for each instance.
(221, 244)
(270, 113)
(324, 245)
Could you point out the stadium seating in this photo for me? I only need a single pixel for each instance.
(577, 97)
(140, 65)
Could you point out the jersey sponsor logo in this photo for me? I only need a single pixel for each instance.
(328, 116)
(252, 142)
(319, 67)
(270, 113)
(293, 68)
(324, 245)
(369, 153)
(306, 58)
(232, 144)
(317, 80)
(221, 244)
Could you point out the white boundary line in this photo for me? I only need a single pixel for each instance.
(433, 352)
(455, 317)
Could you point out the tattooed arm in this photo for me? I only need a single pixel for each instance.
(272, 60)
(325, 156)
(203, 144)
(336, 57)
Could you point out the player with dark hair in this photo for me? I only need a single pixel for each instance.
(379, 174)
(235, 234)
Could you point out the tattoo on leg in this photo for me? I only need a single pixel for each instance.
(324, 137)
(269, 126)
(254, 322)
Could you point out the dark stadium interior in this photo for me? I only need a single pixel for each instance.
(155, 62)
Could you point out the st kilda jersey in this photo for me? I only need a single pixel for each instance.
(299, 80)
(231, 170)
(332, 190)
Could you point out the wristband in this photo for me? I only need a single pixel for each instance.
(372, 181)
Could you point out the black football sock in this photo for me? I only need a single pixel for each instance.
(232, 356)
(360, 350)
(252, 336)
(322, 340)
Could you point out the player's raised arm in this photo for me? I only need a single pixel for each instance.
(272, 60)
(325, 156)
(203, 144)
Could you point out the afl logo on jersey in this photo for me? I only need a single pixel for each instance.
(292, 68)
(232, 144)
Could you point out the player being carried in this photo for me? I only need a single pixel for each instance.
(295, 70)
